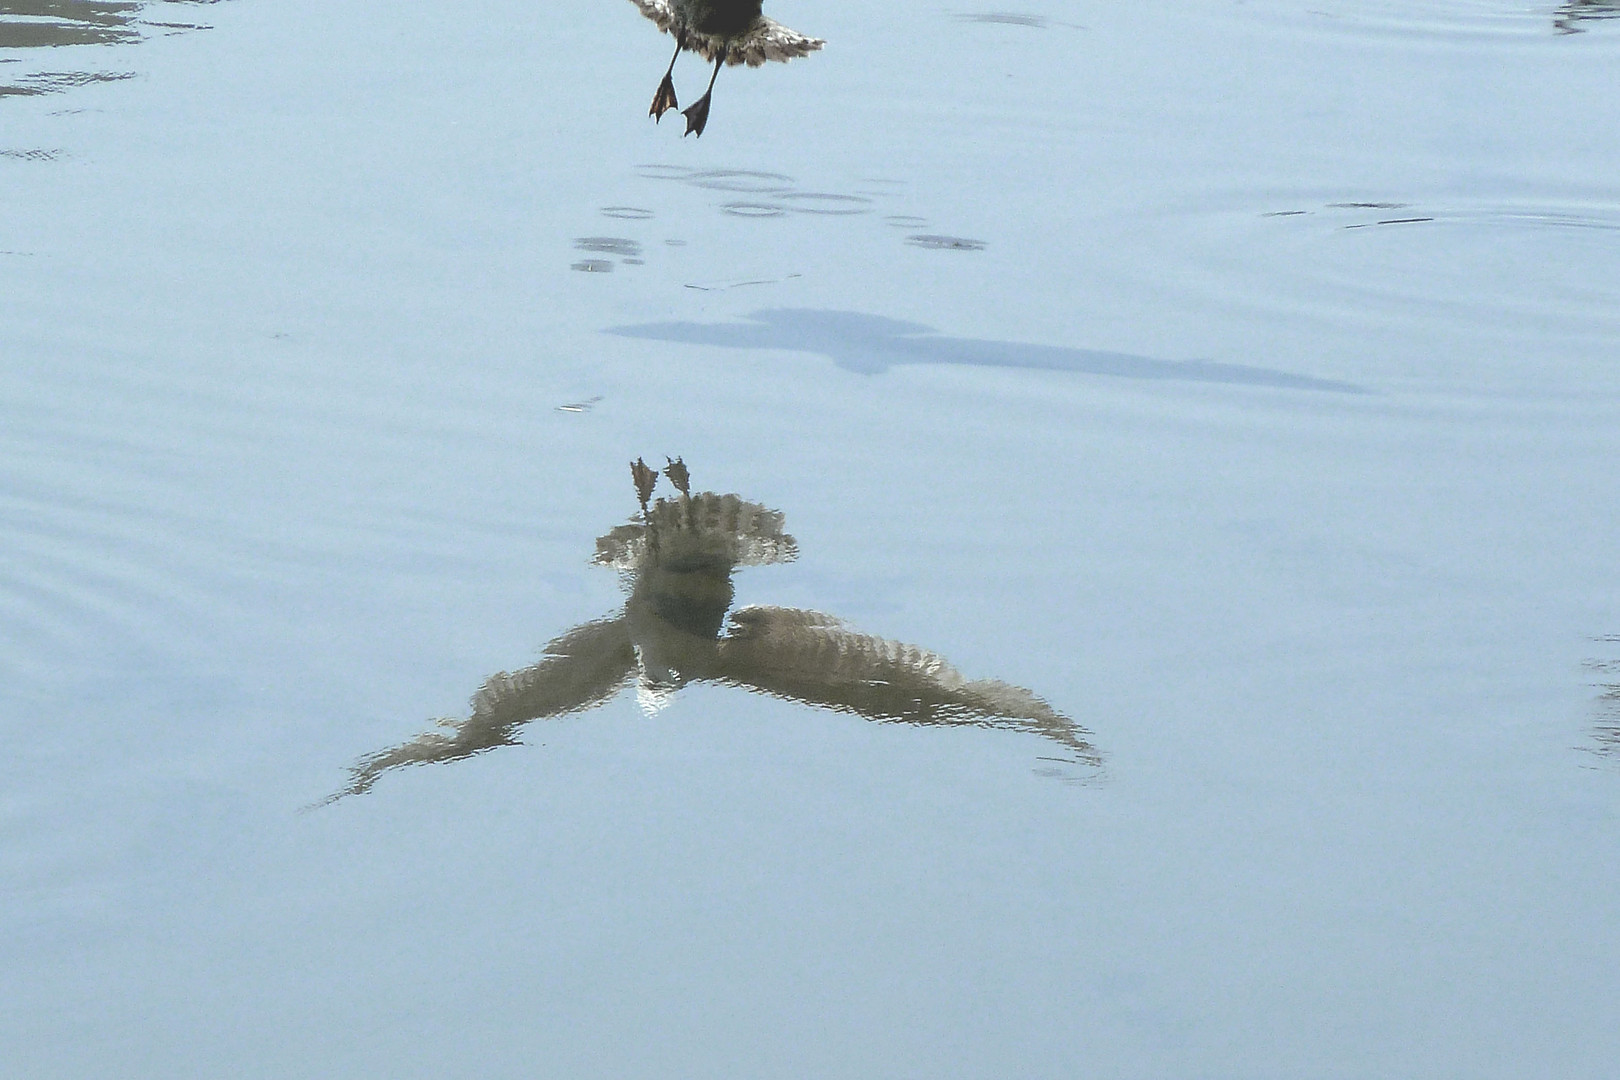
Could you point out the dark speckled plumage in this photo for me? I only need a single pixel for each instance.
(721, 18)
(724, 31)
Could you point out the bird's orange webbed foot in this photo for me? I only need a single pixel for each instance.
(664, 100)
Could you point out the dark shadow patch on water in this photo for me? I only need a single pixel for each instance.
(1013, 18)
(55, 82)
(609, 245)
(935, 242)
(628, 251)
(1455, 22)
(54, 24)
(34, 24)
(870, 344)
(1568, 19)
(1006, 18)
(170, 29)
(1604, 672)
(580, 406)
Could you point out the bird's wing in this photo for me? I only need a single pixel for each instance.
(768, 40)
(661, 12)
(581, 669)
(812, 657)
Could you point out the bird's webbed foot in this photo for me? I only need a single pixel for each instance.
(697, 115)
(664, 100)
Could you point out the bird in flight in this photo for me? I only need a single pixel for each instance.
(725, 31)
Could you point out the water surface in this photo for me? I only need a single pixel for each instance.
(1238, 383)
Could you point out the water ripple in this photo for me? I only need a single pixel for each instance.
(1446, 22)
(1526, 264)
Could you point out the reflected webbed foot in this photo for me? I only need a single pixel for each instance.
(696, 116)
(664, 100)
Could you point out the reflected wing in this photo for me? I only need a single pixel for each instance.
(812, 657)
(581, 669)
(661, 12)
(768, 40)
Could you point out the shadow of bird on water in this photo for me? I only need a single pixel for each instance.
(870, 344)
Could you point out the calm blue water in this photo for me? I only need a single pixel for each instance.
(1239, 384)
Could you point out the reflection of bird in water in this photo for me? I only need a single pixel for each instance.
(725, 31)
(676, 560)
(1568, 18)
(1606, 707)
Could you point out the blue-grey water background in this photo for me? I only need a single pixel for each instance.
(1242, 378)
